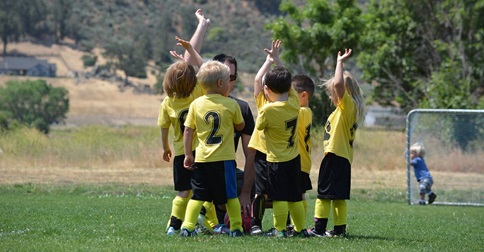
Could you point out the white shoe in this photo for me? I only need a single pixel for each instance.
(172, 231)
(201, 225)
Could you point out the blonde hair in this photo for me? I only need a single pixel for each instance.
(179, 80)
(418, 149)
(211, 72)
(353, 89)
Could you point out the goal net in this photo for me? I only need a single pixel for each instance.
(454, 153)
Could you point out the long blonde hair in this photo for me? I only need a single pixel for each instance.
(353, 89)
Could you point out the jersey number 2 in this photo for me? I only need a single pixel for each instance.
(213, 138)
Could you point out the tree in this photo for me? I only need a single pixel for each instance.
(314, 33)
(425, 54)
(127, 57)
(10, 26)
(33, 103)
(311, 37)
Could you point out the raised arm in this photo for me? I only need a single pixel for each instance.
(196, 59)
(272, 57)
(198, 36)
(338, 81)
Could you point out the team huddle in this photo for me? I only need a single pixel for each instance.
(208, 124)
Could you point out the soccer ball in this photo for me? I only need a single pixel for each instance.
(245, 222)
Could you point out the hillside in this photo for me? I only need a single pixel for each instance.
(96, 101)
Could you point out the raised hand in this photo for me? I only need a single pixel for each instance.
(201, 18)
(273, 53)
(183, 43)
(345, 55)
(176, 55)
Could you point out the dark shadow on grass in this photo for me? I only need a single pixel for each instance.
(382, 238)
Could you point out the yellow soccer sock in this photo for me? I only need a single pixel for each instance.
(298, 215)
(179, 207)
(233, 210)
(211, 215)
(279, 213)
(322, 208)
(191, 216)
(339, 212)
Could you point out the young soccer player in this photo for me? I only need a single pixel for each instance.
(278, 108)
(208, 216)
(334, 179)
(304, 87)
(213, 117)
(180, 86)
(422, 174)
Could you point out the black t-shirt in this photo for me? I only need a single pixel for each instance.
(248, 118)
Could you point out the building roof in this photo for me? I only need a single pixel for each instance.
(20, 63)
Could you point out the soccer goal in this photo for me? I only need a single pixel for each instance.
(454, 153)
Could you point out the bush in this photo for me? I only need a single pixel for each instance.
(89, 60)
(33, 103)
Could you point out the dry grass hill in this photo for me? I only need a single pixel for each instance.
(95, 101)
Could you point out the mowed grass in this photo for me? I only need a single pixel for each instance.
(118, 217)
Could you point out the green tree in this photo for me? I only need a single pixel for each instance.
(126, 56)
(425, 54)
(311, 35)
(33, 103)
(10, 25)
(61, 12)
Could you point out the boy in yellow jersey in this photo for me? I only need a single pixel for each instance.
(278, 110)
(213, 117)
(180, 86)
(304, 87)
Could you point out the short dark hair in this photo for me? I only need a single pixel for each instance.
(278, 80)
(225, 57)
(302, 82)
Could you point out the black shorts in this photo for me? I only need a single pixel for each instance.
(334, 181)
(214, 181)
(261, 180)
(306, 184)
(181, 177)
(284, 180)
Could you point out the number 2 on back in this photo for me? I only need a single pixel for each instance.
(214, 118)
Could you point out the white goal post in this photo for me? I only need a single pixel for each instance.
(454, 153)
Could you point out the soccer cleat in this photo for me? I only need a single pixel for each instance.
(202, 228)
(221, 229)
(278, 234)
(314, 232)
(172, 231)
(432, 198)
(255, 230)
(421, 202)
(332, 233)
(290, 230)
(303, 234)
(186, 233)
(236, 233)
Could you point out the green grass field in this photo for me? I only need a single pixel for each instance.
(116, 217)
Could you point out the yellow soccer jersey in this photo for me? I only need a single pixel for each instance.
(279, 121)
(304, 133)
(340, 129)
(258, 140)
(213, 117)
(173, 111)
